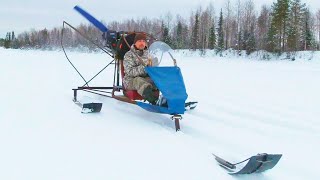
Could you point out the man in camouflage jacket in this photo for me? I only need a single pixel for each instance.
(136, 78)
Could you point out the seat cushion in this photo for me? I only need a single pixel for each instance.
(132, 94)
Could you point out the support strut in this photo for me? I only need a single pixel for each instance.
(177, 119)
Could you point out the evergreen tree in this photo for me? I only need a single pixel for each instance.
(292, 39)
(294, 30)
(166, 36)
(240, 40)
(7, 41)
(179, 36)
(14, 41)
(308, 38)
(27, 40)
(220, 45)
(15, 44)
(251, 42)
(280, 13)
(244, 39)
(195, 33)
(13, 37)
(212, 37)
(272, 41)
(1, 42)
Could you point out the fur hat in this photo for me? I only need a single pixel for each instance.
(140, 36)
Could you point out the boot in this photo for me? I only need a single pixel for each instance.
(162, 102)
(149, 95)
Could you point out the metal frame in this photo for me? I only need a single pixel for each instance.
(103, 91)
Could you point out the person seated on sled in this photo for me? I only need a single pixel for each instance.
(134, 62)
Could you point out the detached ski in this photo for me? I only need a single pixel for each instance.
(254, 164)
(88, 106)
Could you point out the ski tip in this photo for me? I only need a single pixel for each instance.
(215, 156)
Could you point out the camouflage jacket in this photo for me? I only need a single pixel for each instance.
(133, 67)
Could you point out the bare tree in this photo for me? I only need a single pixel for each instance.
(238, 24)
(262, 27)
(168, 20)
(227, 23)
(205, 23)
(234, 33)
(248, 15)
(114, 25)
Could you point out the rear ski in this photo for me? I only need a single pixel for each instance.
(88, 105)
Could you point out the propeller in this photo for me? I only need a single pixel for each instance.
(92, 19)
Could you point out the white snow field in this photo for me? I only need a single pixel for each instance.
(246, 107)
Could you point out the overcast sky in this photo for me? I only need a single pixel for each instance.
(22, 15)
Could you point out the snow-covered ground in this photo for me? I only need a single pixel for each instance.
(245, 107)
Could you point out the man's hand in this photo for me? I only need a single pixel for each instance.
(149, 63)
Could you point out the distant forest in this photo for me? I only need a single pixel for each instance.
(286, 26)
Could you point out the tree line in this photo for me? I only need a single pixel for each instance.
(286, 26)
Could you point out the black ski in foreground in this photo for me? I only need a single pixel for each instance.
(89, 107)
(87, 104)
(254, 164)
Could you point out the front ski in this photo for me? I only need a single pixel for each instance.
(255, 164)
